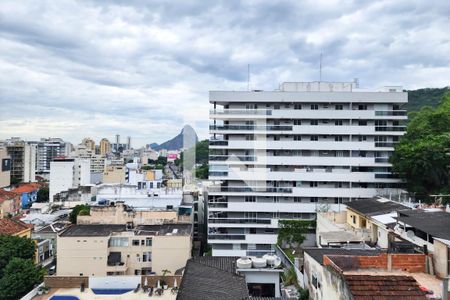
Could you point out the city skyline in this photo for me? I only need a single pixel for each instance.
(143, 69)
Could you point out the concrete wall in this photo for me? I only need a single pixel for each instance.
(170, 252)
(114, 282)
(440, 259)
(82, 255)
(5, 175)
(66, 281)
(114, 174)
(264, 277)
(61, 177)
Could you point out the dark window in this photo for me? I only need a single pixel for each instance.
(135, 243)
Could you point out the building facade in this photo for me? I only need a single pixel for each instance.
(105, 146)
(23, 160)
(68, 173)
(286, 154)
(49, 149)
(108, 250)
(5, 168)
(89, 143)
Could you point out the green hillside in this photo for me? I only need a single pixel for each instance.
(424, 97)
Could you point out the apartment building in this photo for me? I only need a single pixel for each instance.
(105, 146)
(23, 160)
(107, 250)
(49, 149)
(68, 173)
(89, 143)
(287, 153)
(5, 168)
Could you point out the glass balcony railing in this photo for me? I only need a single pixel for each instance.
(232, 157)
(218, 204)
(390, 128)
(250, 189)
(239, 221)
(216, 173)
(218, 143)
(390, 113)
(251, 127)
(226, 236)
(262, 112)
(386, 175)
(381, 159)
(384, 144)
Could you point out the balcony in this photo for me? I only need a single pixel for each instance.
(217, 204)
(248, 189)
(384, 144)
(232, 157)
(218, 143)
(382, 159)
(390, 128)
(239, 221)
(390, 113)
(226, 236)
(251, 127)
(387, 175)
(261, 112)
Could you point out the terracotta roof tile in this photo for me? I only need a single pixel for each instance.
(364, 287)
(6, 195)
(10, 226)
(27, 188)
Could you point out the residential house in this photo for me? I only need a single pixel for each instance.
(9, 203)
(28, 193)
(9, 226)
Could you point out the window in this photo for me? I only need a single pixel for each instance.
(354, 219)
(147, 256)
(362, 122)
(313, 184)
(314, 122)
(362, 107)
(338, 138)
(148, 242)
(297, 106)
(297, 122)
(118, 242)
(362, 138)
(338, 123)
(142, 242)
(314, 106)
(135, 243)
(276, 138)
(250, 198)
(276, 106)
(297, 199)
(314, 138)
(297, 137)
(339, 107)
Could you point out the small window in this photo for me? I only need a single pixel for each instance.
(338, 107)
(297, 137)
(135, 243)
(142, 242)
(338, 123)
(297, 106)
(297, 122)
(314, 138)
(362, 122)
(362, 107)
(314, 106)
(314, 122)
(338, 138)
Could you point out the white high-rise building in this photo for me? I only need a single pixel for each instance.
(23, 160)
(49, 149)
(68, 173)
(288, 153)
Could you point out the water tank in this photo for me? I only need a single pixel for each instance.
(270, 258)
(244, 263)
(259, 262)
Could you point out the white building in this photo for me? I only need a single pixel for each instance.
(49, 149)
(286, 154)
(68, 173)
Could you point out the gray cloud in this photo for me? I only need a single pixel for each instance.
(143, 68)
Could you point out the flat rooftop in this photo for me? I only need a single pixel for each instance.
(107, 230)
(375, 206)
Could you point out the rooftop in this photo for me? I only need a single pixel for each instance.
(6, 195)
(318, 253)
(201, 279)
(384, 287)
(106, 230)
(375, 206)
(11, 227)
(27, 188)
(436, 223)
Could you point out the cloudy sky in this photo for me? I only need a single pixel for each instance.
(73, 69)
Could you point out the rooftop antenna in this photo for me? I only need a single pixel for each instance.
(320, 67)
(248, 77)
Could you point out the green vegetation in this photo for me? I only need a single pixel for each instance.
(79, 210)
(422, 157)
(18, 274)
(43, 194)
(293, 231)
(424, 97)
(289, 277)
(201, 158)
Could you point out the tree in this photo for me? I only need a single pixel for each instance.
(293, 231)
(202, 171)
(79, 210)
(20, 276)
(43, 194)
(14, 246)
(422, 156)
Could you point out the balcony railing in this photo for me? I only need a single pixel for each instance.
(251, 127)
(218, 143)
(239, 221)
(226, 237)
(261, 112)
(390, 113)
(250, 189)
(215, 173)
(218, 204)
(232, 157)
(390, 128)
(384, 144)
(381, 159)
(387, 175)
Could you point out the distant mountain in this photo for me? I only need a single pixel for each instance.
(425, 97)
(185, 139)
